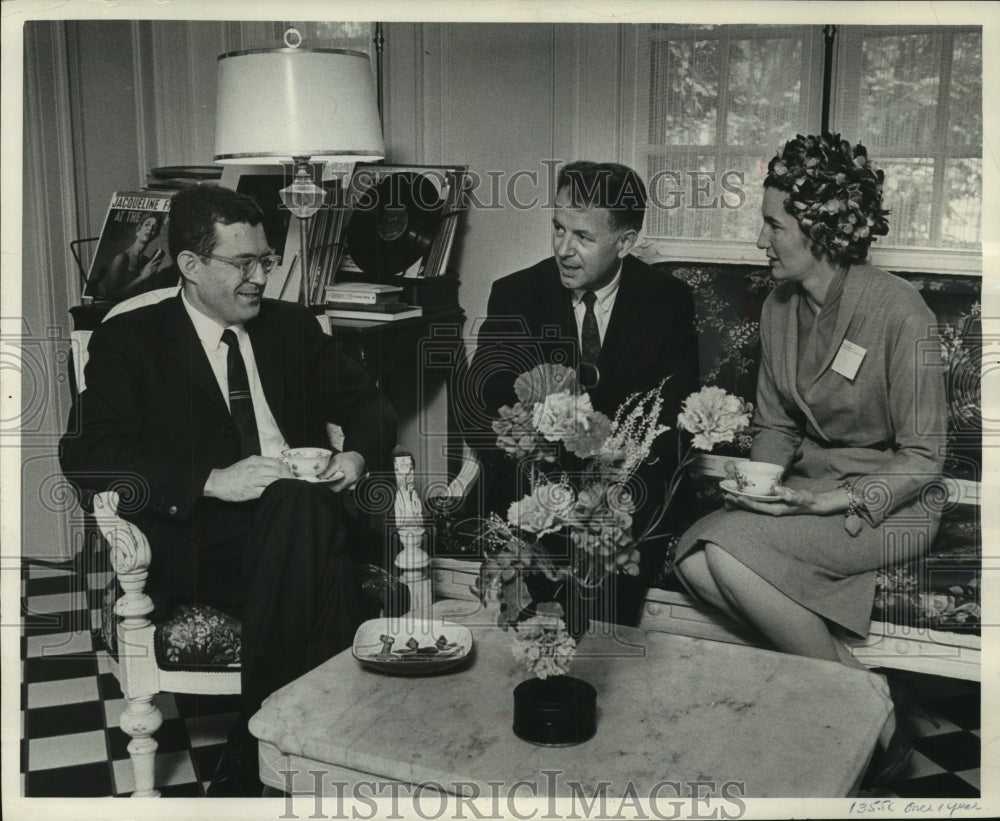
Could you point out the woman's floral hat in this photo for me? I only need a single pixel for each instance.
(835, 193)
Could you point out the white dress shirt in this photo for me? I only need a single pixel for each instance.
(602, 306)
(272, 443)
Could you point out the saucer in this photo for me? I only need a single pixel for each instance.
(729, 486)
(416, 647)
(336, 477)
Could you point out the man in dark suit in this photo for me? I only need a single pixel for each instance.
(188, 406)
(592, 304)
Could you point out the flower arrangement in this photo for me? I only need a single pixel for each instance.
(574, 528)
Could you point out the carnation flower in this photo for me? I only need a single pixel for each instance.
(562, 415)
(545, 510)
(713, 416)
(515, 433)
(557, 497)
(589, 438)
(544, 646)
(542, 380)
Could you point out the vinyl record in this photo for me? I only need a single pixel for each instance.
(393, 224)
(194, 172)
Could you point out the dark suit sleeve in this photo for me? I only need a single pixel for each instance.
(110, 451)
(352, 400)
(492, 366)
(679, 353)
(678, 358)
(482, 386)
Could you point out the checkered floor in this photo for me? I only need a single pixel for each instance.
(71, 744)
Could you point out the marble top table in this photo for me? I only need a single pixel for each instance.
(670, 708)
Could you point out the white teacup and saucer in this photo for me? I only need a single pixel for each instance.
(754, 480)
(307, 463)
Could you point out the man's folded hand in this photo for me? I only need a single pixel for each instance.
(246, 479)
(344, 470)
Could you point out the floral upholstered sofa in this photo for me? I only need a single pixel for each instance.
(926, 615)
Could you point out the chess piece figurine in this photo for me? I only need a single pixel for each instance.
(408, 512)
(407, 509)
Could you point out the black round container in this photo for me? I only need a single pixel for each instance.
(555, 711)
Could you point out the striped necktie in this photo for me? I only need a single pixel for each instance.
(240, 401)
(590, 338)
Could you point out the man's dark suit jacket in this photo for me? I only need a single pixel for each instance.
(153, 422)
(650, 335)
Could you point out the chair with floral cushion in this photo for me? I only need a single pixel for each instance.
(196, 648)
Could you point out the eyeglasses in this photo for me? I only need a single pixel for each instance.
(248, 265)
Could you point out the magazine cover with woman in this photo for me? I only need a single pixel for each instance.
(132, 255)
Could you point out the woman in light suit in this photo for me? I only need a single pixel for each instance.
(850, 401)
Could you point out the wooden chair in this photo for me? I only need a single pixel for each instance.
(141, 675)
(139, 660)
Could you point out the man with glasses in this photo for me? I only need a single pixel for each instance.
(592, 304)
(188, 407)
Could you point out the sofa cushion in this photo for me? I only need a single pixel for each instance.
(940, 591)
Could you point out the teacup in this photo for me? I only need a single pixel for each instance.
(306, 463)
(758, 478)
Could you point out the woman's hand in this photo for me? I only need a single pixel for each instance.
(793, 502)
(151, 267)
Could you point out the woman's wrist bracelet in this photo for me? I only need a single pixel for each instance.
(852, 516)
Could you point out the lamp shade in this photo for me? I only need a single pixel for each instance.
(274, 104)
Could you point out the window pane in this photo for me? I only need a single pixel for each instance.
(683, 92)
(764, 96)
(899, 91)
(965, 120)
(745, 173)
(748, 86)
(919, 101)
(683, 195)
(908, 194)
(963, 185)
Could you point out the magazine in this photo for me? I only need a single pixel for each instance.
(132, 256)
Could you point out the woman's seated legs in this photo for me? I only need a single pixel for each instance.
(694, 573)
(788, 625)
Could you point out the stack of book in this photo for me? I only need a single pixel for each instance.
(368, 300)
(175, 177)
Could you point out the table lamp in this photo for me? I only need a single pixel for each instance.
(301, 108)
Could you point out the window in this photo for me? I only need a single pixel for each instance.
(714, 103)
(915, 97)
(720, 98)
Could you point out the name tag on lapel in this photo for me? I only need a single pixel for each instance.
(848, 359)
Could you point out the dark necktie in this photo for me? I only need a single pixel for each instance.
(591, 337)
(240, 403)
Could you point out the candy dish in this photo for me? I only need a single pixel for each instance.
(409, 646)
